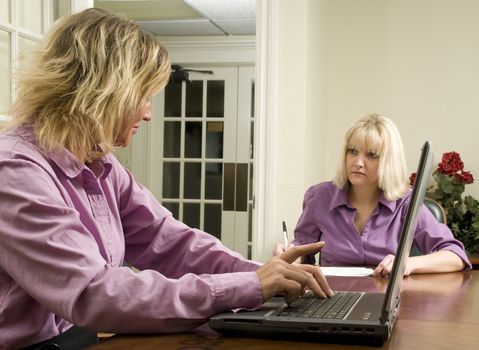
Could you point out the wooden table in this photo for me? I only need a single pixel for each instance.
(438, 311)
(474, 260)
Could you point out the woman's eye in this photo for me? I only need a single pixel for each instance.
(352, 151)
(373, 155)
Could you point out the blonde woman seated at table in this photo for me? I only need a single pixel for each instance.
(360, 213)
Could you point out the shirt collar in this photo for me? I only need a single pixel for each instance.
(340, 198)
(64, 159)
(70, 165)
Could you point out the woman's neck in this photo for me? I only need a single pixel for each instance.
(363, 196)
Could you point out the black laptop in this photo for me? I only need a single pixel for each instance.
(354, 315)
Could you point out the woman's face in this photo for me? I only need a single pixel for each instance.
(362, 166)
(143, 113)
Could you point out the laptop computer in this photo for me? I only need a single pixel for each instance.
(367, 316)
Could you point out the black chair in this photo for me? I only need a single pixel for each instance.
(436, 209)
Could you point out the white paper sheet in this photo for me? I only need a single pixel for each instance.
(346, 271)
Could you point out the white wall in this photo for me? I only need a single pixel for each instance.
(415, 61)
(292, 111)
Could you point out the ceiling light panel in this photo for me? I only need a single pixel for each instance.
(238, 27)
(181, 27)
(235, 17)
(225, 9)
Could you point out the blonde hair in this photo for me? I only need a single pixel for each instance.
(84, 85)
(378, 133)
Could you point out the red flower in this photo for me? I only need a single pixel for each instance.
(464, 177)
(412, 179)
(451, 163)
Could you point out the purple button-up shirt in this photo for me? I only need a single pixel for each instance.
(327, 216)
(66, 230)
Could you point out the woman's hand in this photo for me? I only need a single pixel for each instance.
(280, 275)
(440, 261)
(384, 268)
(279, 249)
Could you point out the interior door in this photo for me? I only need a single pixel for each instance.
(203, 164)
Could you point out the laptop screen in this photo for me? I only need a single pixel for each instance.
(407, 232)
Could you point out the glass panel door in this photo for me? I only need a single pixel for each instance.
(195, 120)
(199, 173)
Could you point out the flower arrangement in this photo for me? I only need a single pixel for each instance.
(462, 213)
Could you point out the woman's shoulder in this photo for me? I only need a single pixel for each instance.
(20, 144)
(324, 190)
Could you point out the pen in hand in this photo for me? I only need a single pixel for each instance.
(285, 236)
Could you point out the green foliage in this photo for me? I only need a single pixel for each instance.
(462, 212)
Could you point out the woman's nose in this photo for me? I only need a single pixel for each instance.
(146, 111)
(359, 162)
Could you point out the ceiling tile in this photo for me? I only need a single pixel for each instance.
(225, 9)
(149, 10)
(238, 27)
(193, 27)
(188, 17)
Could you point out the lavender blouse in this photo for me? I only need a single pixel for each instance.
(327, 216)
(66, 230)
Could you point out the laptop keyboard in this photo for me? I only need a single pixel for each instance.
(311, 306)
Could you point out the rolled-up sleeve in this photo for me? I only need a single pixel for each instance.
(432, 236)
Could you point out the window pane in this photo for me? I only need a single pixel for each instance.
(251, 184)
(171, 180)
(30, 15)
(24, 47)
(193, 139)
(4, 72)
(173, 99)
(213, 219)
(194, 99)
(214, 140)
(214, 181)
(250, 222)
(172, 139)
(5, 10)
(60, 8)
(174, 208)
(251, 141)
(252, 100)
(191, 214)
(192, 185)
(216, 98)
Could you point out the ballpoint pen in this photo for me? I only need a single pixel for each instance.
(285, 236)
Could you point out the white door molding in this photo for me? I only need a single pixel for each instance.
(267, 19)
(212, 51)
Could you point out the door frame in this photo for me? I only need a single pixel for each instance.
(262, 51)
(202, 51)
(227, 52)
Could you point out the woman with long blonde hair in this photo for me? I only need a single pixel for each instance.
(360, 213)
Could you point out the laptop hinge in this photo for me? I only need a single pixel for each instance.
(389, 314)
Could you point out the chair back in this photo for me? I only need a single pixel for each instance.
(436, 209)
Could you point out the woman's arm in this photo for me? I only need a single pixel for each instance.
(306, 230)
(156, 240)
(433, 237)
(441, 261)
